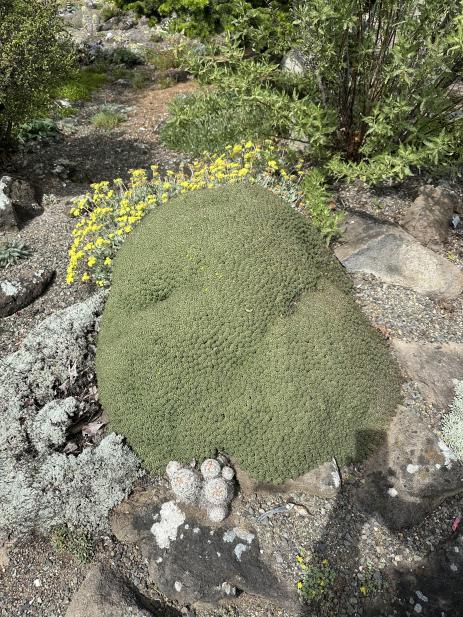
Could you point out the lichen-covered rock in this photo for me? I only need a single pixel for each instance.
(57, 489)
(230, 326)
(41, 487)
(48, 430)
(190, 561)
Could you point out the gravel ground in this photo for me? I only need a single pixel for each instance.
(408, 315)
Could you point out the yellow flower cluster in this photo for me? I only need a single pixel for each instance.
(110, 212)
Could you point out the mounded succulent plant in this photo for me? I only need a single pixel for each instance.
(230, 326)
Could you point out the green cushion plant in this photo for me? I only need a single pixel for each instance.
(230, 326)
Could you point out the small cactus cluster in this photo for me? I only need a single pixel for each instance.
(211, 487)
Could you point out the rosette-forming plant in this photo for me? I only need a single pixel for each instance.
(230, 326)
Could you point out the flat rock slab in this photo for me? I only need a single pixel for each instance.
(433, 366)
(410, 474)
(105, 593)
(394, 256)
(190, 561)
(21, 290)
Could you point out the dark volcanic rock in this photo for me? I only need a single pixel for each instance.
(190, 561)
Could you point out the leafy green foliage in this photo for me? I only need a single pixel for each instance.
(386, 69)
(42, 129)
(208, 122)
(250, 99)
(35, 55)
(12, 252)
(376, 99)
(230, 326)
(163, 59)
(316, 200)
(125, 56)
(82, 85)
(205, 17)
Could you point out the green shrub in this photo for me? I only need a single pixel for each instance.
(205, 17)
(76, 543)
(35, 55)
(107, 119)
(82, 85)
(317, 200)
(208, 122)
(230, 326)
(125, 56)
(163, 59)
(375, 101)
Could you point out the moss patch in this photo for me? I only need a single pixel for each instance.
(230, 326)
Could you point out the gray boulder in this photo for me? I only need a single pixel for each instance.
(394, 256)
(105, 593)
(24, 199)
(428, 218)
(21, 290)
(295, 62)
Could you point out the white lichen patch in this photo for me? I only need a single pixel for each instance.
(9, 289)
(166, 530)
(239, 550)
(229, 536)
(413, 468)
(392, 492)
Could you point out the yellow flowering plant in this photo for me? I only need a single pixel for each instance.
(316, 578)
(107, 214)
